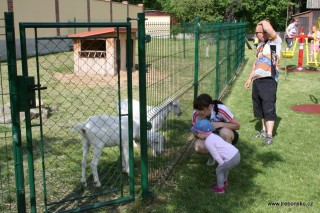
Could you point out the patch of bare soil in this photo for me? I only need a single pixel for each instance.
(96, 80)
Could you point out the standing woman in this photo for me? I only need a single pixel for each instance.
(264, 75)
(291, 31)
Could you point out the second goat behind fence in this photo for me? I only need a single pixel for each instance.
(156, 115)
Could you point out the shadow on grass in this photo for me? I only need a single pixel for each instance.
(194, 178)
(258, 125)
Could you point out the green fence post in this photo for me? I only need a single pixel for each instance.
(243, 49)
(184, 39)
(129, 56)
(15, 115)
(143, 104)
(24, 63)
(228, 51)
(238, 44)
(196, 57)
(217, 61)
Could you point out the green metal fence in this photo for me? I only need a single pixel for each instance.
(175, 62)
(183, 61)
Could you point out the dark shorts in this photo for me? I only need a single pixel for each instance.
(289, 42)
(235, 137)
(264, 96)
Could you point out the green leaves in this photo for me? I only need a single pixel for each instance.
(248, 11)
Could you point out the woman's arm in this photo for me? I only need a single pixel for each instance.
(233, 124)
(248, 82)
(267, 27)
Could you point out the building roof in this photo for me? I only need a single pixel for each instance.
(313, 4)
(156, 13)
(100, 32)
(303, 13)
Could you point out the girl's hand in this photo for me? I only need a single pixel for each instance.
(217, 125)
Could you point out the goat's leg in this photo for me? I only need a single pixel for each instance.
(125, 156)
(94, 165)
(156, 142)
(85, 147)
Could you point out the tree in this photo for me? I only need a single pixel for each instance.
(187, 10)
(273, 10)
(248, 11)
(233, 10)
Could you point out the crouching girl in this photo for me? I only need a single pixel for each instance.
(224, 153)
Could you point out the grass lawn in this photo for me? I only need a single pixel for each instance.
(287, 171)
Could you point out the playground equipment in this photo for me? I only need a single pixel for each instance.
(302, 38)
(314, 60)
(290, 53)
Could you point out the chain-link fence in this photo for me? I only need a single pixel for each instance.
(181, 62)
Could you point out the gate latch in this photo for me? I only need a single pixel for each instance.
(147, 38)
(149, 125)
(26, 89)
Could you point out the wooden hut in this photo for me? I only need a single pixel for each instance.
(95, 52)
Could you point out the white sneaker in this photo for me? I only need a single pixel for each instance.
(211, 161)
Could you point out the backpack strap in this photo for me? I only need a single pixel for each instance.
(215, 106)
(273, 51)
(273, 55)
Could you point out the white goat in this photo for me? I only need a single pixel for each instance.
(156, 115)
(99, 131)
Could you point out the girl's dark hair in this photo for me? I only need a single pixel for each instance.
(204, 100)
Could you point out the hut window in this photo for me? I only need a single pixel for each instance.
(93, 49)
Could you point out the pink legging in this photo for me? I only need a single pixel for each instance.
(222, 172)
(312, 46)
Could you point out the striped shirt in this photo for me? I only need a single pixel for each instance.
(262, 67)
(224, 115)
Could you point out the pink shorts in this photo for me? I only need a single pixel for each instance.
(312, 46)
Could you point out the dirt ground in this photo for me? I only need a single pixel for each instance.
(96, 80)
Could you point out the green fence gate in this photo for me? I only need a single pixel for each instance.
(65, 81)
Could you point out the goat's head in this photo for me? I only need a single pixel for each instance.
(156, 142)
(174, 107)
